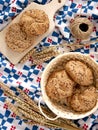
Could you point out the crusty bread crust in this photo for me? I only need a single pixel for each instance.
(16, 39)
(34, 22)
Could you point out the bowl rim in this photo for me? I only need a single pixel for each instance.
(49, 103)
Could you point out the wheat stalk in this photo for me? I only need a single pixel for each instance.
(6, 88)
(28, 99)
(27, 102)
(43, 54)
(27, 56)
(27, 110)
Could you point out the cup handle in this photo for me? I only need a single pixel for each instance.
(39, 105)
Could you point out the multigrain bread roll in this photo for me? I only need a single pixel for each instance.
(84, 99)
(79, 72)
(34, 22)
(16, 39)
(59, 86)
(21, 35)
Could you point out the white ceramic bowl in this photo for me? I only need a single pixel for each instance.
(58, 110)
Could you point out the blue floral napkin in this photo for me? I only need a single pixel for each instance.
(28, 77)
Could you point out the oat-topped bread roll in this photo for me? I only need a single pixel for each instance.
(59, 86)
(79, 72)
(16, 39)
(84, 99)
(34, 22)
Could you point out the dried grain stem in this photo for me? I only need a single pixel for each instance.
(40, 61)
(7, 89)
(28, 99)
(27, 56)
(26, 109)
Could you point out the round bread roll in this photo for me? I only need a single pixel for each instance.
(34, 22)
(16, 39)
(59, 86)
(84, 99)
(79, 72)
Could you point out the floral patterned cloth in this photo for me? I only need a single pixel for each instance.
(28, 77)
